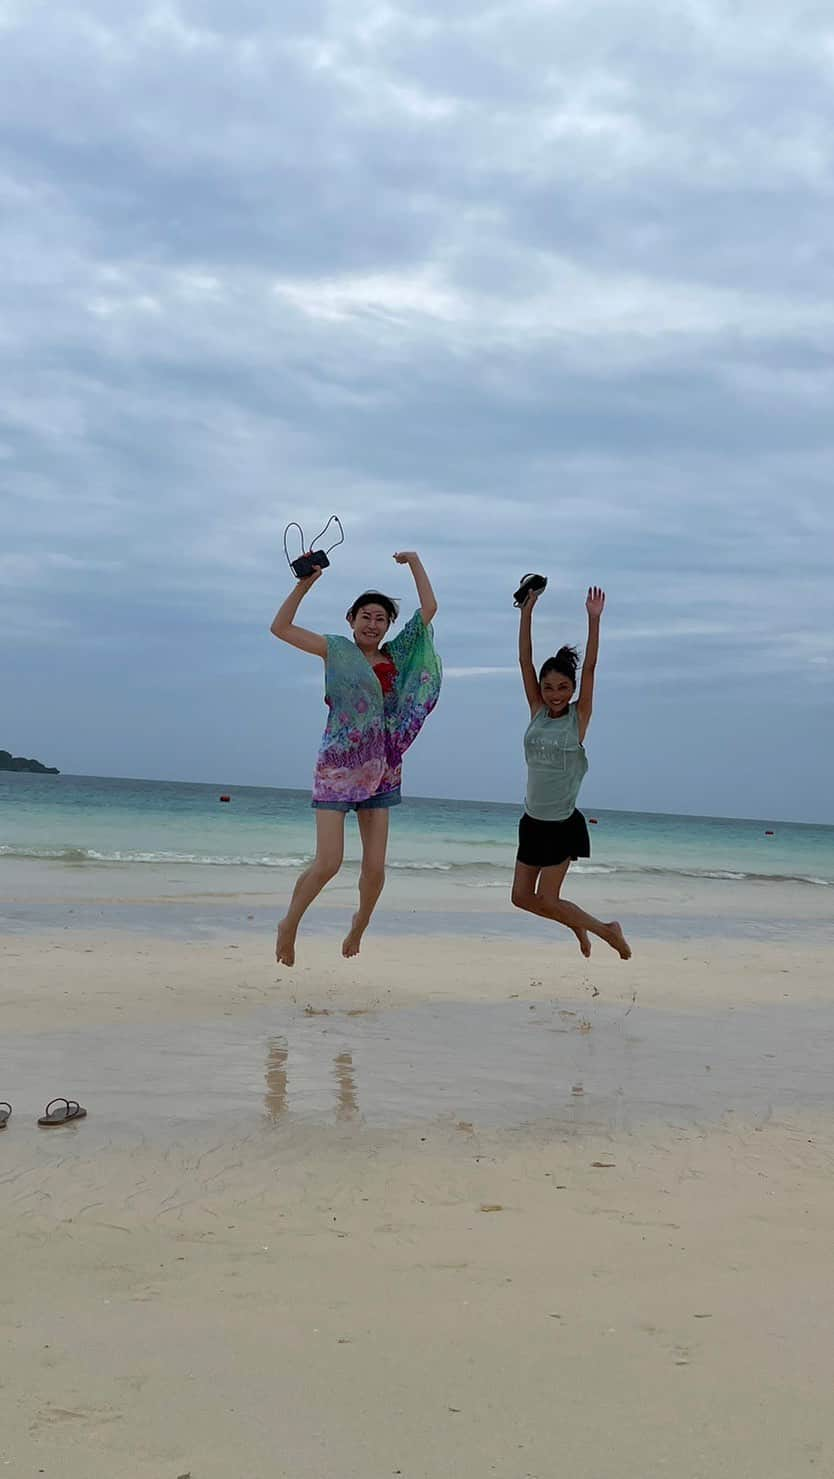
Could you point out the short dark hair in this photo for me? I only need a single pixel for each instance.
(566, 662)
(375, 598)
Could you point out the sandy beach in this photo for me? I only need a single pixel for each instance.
(468, 1204)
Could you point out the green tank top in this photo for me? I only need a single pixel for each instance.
(556, 765)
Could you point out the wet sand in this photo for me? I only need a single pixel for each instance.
(498, 1065)
(468, 1205)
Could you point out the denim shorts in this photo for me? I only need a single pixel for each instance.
(373, 803)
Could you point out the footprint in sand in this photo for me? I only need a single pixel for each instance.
(91, 1418)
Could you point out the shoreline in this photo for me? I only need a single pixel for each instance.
(35, 895)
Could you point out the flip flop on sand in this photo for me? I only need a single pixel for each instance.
(71, 1110)
(5, 1111)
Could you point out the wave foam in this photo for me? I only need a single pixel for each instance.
(128, 855)
(473, 874)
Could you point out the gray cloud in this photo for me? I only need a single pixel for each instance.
(534, 286)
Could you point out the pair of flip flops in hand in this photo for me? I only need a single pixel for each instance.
(57, 1112)
(529, 583)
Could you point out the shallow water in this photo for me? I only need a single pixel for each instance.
(204, 904)
(507, 1065)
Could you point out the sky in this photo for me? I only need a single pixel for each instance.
(522, 286)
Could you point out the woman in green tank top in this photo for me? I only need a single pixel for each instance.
(553, 833)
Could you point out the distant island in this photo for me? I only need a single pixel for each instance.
(17, 762)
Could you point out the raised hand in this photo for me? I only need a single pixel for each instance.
(425, 594)
(595, 602)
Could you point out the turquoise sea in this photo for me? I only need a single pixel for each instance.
(75, 820)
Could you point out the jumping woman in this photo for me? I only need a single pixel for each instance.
(552, 833)
(379, 695)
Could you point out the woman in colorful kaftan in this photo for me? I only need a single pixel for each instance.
(379, 695)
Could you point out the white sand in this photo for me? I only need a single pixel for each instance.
(332, 1301)
(60, 979)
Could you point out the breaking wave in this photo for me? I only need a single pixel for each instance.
(474, 874)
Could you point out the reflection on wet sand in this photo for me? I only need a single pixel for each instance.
(277, 1073)
(275, 1097)
(348, 1104)
(584, 1066)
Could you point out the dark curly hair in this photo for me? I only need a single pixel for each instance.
(375, 598)
(566, 662)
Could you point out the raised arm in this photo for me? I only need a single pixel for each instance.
(284, 625)
(594, 605)
(532, 690)
(425, 594)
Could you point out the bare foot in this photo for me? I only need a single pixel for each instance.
(353, 939)
(584, 942)
(618, 941)
(285, 946)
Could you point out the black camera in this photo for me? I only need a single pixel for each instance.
(306, 564)
(312, 559)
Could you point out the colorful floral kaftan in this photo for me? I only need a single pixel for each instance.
(368, 731)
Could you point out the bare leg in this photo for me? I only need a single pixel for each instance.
(330, 844)
(545, 900)
(526, 890)
(373, 829)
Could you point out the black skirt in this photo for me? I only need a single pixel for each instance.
(547, 844)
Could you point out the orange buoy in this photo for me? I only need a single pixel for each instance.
(225, 798)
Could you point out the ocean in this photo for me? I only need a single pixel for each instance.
(78, 820)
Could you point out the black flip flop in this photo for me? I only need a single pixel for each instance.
(5, 1112)
(529, 583)
(72, 1110)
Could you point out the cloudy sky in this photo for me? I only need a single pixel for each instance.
(546, 285)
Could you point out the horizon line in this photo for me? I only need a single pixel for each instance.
(454, 800)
